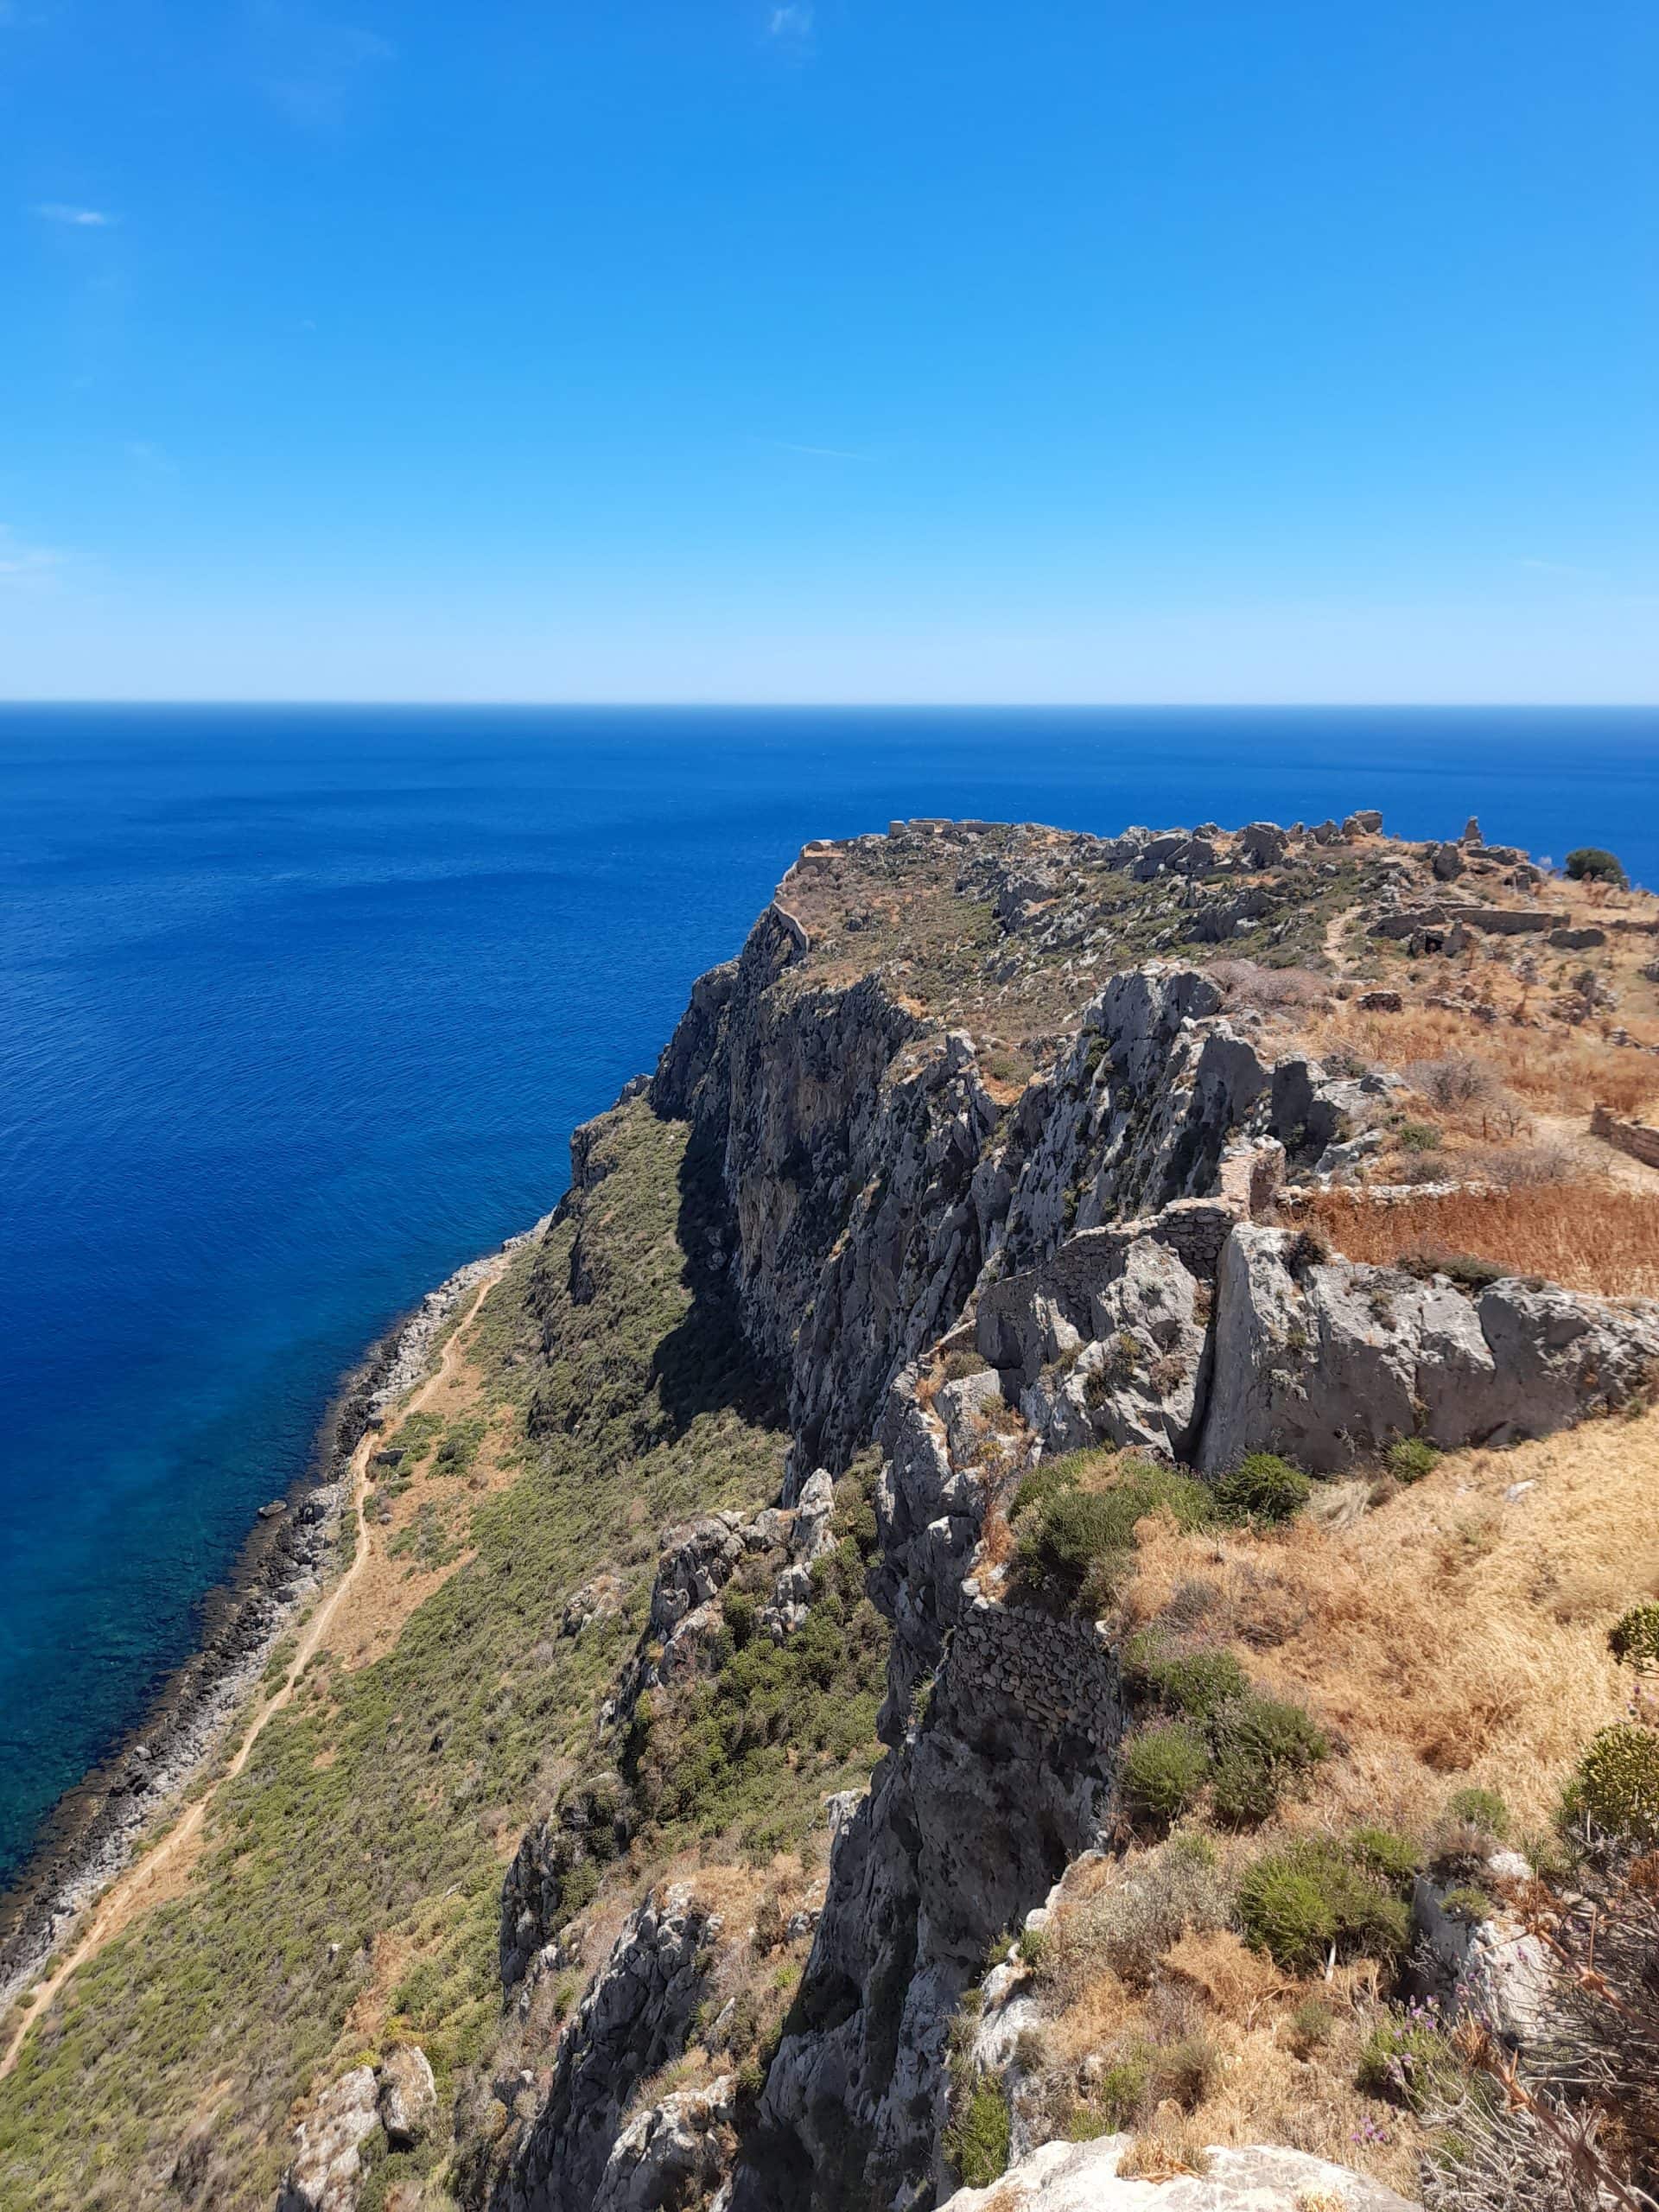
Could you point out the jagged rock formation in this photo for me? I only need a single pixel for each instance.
(634, 2018)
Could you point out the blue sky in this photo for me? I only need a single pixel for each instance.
(864, 349)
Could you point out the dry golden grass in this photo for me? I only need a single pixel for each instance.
(1452, 1634)
(1565, 1072)
(1590, 1236)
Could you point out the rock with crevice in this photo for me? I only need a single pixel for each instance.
(326, 2171)
(1326, 1359)
(635, 2017)
(673, 2154)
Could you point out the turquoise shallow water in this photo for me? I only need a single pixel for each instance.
(298, 1008)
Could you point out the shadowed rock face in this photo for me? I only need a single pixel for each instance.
(633, 2020)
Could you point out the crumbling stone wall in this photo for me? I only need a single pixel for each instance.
(1634, 1137)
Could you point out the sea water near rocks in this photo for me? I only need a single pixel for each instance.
(298, 1008)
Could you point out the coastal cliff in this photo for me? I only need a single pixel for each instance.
(982, 1598)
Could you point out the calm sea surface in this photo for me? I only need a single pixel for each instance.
(298, 1008)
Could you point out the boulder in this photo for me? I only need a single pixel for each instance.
(409, 2096)
(1366, 823)
(1083, 2177)
(1262, 844)
(1446, 861)
(1328, 1360)
(326, 2171)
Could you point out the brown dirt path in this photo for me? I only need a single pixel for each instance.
(162, 1873)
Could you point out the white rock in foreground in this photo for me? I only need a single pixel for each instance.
(1083, 2177)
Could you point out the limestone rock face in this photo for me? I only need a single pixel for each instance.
(409, 2096)
(328, 2169)
(1083, 2177)
(675, 2153)
(1004, 1727)
(633, 2019)
(1322, 1360)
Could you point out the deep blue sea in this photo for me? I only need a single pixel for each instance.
(298, 1008)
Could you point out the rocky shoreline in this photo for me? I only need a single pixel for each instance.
(92, 1834)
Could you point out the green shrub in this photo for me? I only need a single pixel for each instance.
(741, 1611)
(1419, 1136)
(1408, 2058)
(1163, 1769)
(977, 2141)
(1301, 1902)
(1467, 1903)
(1635, 1635)
(1262, 1746)
(1616, 1786)
(1591, 864)
(1410, 1460)
(1120, 2095)
(1045, 1482)
(1391, 1858)
(1192, 1682)
(1263, 1488)
(1480, 1808)
(1075, 1544)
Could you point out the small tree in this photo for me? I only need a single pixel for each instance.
(1590, 864)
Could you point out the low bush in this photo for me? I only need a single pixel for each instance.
(1310, 1899)
(1635, 1635)
(1418, 1136)
(1408, 2058)
(1163, 1769)
(1616, 1786)
(1192, 1682)
(1126, 1929)
(1263, 1488)
(977, 2141)
(1262, 1746)
(959, 1365)
(1078, 1520)
(1390, 1857)
(1482, 1810)
(1310, 2025)
(1410, 1460)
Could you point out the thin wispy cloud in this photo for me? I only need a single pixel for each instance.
(79, 219)
(818, 453)
(791, 25)
(19, 562)
(309, 65)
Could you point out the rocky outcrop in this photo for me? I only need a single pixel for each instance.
(409, 2096)
(633, 2021)
(1083, 2177)
(326, 2171)
(775, 1549)
(845, 1164)
(1004, 1731)
(399, 2098)
(1321, 1358)
(673, 2154)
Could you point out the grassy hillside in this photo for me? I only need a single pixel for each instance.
(346, 1889)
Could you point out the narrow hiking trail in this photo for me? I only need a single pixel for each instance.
(162, 1872)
